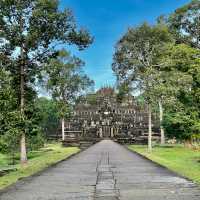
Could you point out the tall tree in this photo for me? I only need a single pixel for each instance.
(66, 81)
(135, 59)
(167, 82)
(182, 64)
(185, 24)
(29, 31)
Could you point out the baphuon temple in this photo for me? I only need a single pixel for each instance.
(100, 115)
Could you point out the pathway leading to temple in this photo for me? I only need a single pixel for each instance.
(105, 171)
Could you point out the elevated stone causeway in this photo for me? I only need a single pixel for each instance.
(106, 182)
(105, 171)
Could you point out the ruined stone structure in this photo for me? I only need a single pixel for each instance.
(101, 116)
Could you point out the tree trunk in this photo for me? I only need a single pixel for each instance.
(162, 133)
(23, 155)
(63, 129)
(149, 129)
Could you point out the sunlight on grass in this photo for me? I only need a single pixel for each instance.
(179, 159)
(38, 160)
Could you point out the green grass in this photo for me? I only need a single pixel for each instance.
(177, 158)
(38, 160)
(3, 160)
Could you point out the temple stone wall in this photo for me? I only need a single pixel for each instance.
(106, 118)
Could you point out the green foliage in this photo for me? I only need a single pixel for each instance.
(36, 141)
(66, 81)
(7, 98)
(184, 24)
(123, 91)
(179, 125)
(91, 99)
(40, 27)
(10, 143)
(137, 49)
(182, 122)
(163, 71)
(49, 114)
(183, 114)
(64, 109)
(135, 59)
(10, 120)
(30, 33)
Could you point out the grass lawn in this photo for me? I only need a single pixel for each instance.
(38, 160)
(177, 158)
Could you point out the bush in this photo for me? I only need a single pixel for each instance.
(181, 125)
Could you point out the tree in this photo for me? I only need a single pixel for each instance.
(29, 33)
(135, 59)
(7, 98)
(182, 62)
(185, 23)
(49, 114)
(66, 82)
(167, 82)
(123, 90)
(8, 130)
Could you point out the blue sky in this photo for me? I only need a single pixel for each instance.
(107, 21)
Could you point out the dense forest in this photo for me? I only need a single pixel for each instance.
(160, 63)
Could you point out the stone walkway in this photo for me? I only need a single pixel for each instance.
(105, 171)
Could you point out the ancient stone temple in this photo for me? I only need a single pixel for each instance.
(100, 115)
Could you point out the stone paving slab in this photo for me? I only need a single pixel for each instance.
(105, 171)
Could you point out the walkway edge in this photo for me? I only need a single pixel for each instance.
(160, 165)
(28, 178)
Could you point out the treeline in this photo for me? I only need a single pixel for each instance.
(31, 33)
(161, 63)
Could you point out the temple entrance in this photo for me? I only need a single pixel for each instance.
(106, 131)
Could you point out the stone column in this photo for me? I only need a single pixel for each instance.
(112, 132)
(63, 129)
(100, 133)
